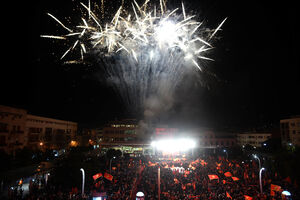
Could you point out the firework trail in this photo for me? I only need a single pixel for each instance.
(145, 51)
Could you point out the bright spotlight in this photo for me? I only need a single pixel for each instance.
(174, 145)
(153, 143)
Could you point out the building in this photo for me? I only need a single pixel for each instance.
(124, 135)
(48, 133)
(12, 129)
(254, 139)
(88, 137)
(18, 129)
(290, 131)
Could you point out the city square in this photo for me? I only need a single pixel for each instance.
(150, 100)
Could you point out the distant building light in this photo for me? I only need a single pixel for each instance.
(73, 143)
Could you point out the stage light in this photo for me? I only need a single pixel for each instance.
(174, 145)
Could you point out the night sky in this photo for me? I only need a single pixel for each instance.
(256, 69)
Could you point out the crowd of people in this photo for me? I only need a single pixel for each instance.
(210, 177)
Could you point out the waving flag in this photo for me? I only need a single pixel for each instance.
(203, 163)
(228, 174)
(276, 188)
(96, 176)
(228, 195)
(108, 176)
(212, 177)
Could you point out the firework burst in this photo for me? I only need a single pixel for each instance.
(145, 51)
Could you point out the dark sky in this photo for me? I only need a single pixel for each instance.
(256, 65)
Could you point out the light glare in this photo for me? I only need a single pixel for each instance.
(174, 145)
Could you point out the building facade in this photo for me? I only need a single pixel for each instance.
(128, 137)
(13, 135)
(290, 131)
(48, 133)
(18, 129)
(254, 139)
(124, 135)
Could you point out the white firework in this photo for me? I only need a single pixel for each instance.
(160, 29)
(150, 47)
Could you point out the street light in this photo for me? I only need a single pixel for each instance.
(158, 182)
(83, 176)
(226, 153)
(110, 163)
(260, 171)
(256, 157)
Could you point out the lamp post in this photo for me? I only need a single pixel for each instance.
(83, 177)
(260, 171)
(226, 153)
(158, 182)
(256, 157)
(110, 163)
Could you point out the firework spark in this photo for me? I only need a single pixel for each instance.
(150, 47)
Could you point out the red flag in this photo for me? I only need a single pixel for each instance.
(235, 178)
(96, 176)
(248, 197)
(274, 188)
(228, 195)
(194, 185)
(108, 176)
(203, 163)
(212, 177)
(228, 174)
